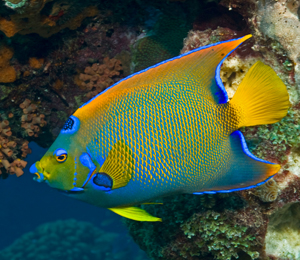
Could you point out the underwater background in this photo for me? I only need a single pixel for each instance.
(57, 54)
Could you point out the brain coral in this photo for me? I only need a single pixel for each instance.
(62, 240)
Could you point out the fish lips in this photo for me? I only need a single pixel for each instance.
(39, 175)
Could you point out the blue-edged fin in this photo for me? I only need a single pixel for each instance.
(261, 98)
(196, 71)
(244, 170)
(135, 213)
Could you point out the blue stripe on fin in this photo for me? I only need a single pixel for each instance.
(221, 94)
(228, 191)
(239, 137)
(245, 148)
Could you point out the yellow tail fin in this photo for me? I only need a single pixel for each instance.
(261, 98)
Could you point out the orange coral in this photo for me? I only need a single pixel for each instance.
(35, 63)
(8, 151)
(98, 77)
(7, 73)
(32, 22)
(31, 121)
(58, 84)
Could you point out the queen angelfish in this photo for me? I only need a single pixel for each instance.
(168, 129)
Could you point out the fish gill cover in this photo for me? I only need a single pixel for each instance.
(56, 55)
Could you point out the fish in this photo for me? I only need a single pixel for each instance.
(168, 129)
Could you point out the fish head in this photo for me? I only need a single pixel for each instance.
(61, 167)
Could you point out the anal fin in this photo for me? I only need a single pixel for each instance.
(244, 170)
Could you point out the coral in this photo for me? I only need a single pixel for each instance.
(64, 239)
(279, 20)
(267, 192)
(36, 63)
(9, 150)
(30, 6)
(216, 234)
(282, 240)
(98, 77)
(233, 71)
(45, 26)
(31, 120)
(7, 72)
(166, 240)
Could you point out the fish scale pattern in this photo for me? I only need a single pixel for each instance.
(169, 129)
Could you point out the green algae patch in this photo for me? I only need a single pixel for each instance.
(212, 232)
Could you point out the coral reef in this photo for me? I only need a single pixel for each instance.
(30, 18)
(10, 148)
(214, 233)
(65, 239)
(7, 72)
(282, 240)
(98, 77)
(31, 121)
(267, 192)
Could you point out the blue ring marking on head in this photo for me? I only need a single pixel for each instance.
(223, 97)
(237, 189)
(86, 161)
(59, 152)
(71, 126)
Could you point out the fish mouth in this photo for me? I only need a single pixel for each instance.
(39, 172)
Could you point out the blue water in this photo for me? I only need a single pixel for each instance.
(25, 204)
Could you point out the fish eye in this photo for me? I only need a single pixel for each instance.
(60, 155)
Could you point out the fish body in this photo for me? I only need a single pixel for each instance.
(166, 130)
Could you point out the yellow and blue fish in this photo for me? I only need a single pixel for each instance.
(168, 129)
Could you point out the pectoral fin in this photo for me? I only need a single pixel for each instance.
(117, 169)
(119, 165)
(135, 213)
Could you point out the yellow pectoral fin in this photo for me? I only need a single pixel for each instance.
(135, 213)
(119, 164)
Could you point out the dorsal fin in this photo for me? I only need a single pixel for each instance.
(197, 70)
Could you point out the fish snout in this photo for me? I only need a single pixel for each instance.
(38, 171)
